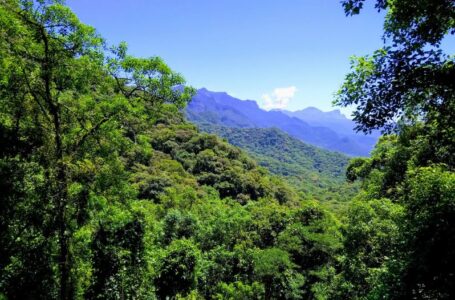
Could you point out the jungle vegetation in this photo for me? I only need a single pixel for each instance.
(107, 192)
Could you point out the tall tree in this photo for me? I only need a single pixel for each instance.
(61, 95)
(407, 88)
(409, 80)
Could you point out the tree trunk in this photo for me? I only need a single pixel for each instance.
(64, 259)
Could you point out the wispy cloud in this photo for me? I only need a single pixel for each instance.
(279, 98)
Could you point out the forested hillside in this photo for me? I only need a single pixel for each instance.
(314, 172)
(107, 192)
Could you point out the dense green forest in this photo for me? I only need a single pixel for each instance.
(107, 192)
(315, 173)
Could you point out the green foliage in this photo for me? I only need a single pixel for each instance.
(176, 270)
(66, 120)
(398, 233)
(371, 239)
(315, 173)
(239, 290)
(428, 232)
(410, 78)
(177, 225)
(313, 241)
(108, 193)
(394, 247)
(274, 268)
(214, 162)
(118, 266)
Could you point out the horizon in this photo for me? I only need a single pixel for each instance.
(238, 47)
(289, 55)
(334, 109)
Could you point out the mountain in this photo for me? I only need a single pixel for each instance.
(219, 108)
(336, 121)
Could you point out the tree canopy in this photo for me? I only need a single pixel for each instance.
(410, 79)
(107, 192)
(407, 89)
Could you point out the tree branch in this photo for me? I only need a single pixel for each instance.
(92, 131)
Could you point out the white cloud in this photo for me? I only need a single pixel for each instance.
(279, 98)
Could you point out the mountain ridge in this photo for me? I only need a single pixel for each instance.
(221, 109)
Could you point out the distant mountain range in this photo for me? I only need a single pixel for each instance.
(328, 130)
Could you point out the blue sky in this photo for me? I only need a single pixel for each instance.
(284, 54)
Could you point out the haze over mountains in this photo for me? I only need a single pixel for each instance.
(328, 130)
